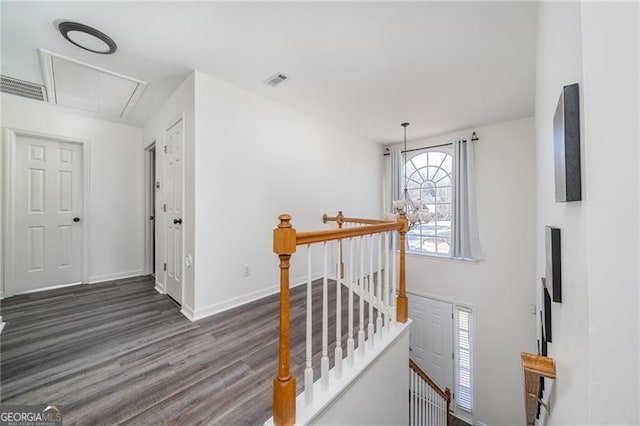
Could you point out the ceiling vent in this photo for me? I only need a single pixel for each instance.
(75, 84)
(276, 79)
(23, 88)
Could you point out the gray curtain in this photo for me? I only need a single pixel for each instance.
(393, 179)
(465, 238)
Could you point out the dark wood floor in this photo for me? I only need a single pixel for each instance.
(120, 352)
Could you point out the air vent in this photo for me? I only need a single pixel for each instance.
(22, 88)
(276, 79)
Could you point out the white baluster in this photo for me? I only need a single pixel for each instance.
(411, 397)
(361, 298)
(324, 361)
(350, 277)
(370, 329)
(379, 304)
(385, 290)
(338, 350)
(308, 371)
(394, 276)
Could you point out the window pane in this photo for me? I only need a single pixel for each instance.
(419, 160)
(429, 181)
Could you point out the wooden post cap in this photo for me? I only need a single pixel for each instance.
(284, 236)
(285, 221)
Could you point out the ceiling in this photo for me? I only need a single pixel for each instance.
(364, 66)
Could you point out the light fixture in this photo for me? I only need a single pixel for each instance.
(413, 209)
(87, 38)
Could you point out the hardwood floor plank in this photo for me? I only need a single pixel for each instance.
(120, 353)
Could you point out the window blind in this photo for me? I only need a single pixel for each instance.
(464, 383)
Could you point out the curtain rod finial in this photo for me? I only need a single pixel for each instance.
(474, 137)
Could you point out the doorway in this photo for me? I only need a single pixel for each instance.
(173, 197)
(46, 201)
(151, 186)
(431, 338)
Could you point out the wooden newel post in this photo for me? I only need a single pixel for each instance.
(402, 312)
(284, 385)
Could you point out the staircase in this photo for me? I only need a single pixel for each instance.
(428, 404)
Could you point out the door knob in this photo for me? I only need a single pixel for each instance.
(76, 219)
(177, 221)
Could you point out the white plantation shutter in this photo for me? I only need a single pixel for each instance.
(464, 383)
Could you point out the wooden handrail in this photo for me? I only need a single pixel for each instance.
(340, 219)
(534, 367)
(285, 241)
(304, 238)
(443, 393)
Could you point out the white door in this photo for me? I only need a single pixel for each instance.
(48, 213)
(173, 216)
(431, 338)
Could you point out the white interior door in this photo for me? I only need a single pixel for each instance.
(431, 338)
(48, 213)
(173, 216)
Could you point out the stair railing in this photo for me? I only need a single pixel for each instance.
(367, 247)
(428, 404)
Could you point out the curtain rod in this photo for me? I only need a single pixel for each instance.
(474, 138)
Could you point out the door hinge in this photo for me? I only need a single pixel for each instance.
(164, 266)
(165, 149)
(164, 207)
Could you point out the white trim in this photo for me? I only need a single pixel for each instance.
(1, 325)
(461, 412)
(10, 136)
(159, 287)
(216, 308)
(147, 210)
(187, 311)
(115, 276)
(51, 287)
(46, 64)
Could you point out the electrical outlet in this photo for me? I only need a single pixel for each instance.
(532, 309)
(246, 270)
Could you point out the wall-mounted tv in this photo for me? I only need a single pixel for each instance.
(566, 145)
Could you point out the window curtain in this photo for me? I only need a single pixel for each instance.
(393, 179)
(466, 241)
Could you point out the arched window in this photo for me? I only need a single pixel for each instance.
(429, 180)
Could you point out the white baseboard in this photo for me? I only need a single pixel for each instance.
(198, 314)
(2, 326)
(52, 287)
(115, 276)
(160, 287)
(187, 311)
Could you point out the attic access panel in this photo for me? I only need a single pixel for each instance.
(82, 86)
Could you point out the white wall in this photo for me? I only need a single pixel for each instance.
(254, 160)
(596, 329)
(180, 103)
(378, 396)
(559, 62)
(500, 287)
(115, 211)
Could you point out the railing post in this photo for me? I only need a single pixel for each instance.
(340, 221)
(402, 306)
(284, 385)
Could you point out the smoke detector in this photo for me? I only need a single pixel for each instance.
(276, 79)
